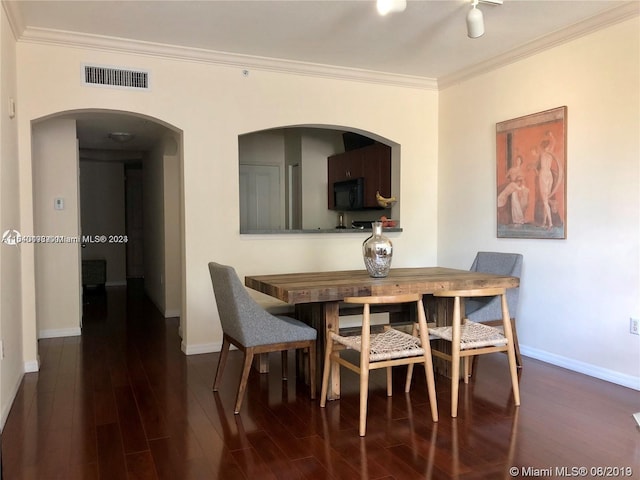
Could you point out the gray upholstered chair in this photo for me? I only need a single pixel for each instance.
(253, 330)
(488, 310)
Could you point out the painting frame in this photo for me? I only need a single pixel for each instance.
(531, 176)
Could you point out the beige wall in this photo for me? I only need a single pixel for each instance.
(162, 244)
(230, 104)
(153, 215)
(11, 366)
(172, 241)
(577, 294)
(57, 265)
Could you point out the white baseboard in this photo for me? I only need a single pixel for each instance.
(582, 367)
(203, 348)
(7, 408)
(172, 312)
(62, 332)
(200, 348)
(32, 366)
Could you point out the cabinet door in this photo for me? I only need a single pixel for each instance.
(341, 167)
(373, 163)
(377, 173)
(345, 166)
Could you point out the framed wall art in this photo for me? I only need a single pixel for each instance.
(531, 161)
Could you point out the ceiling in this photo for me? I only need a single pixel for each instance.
(426, 41)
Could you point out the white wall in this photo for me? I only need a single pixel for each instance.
(11, 366)
(577, 294)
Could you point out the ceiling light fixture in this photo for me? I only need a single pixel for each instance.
(121, 137)
(475, 19)
(387, 6)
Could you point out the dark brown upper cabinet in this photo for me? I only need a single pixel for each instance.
(371, 163)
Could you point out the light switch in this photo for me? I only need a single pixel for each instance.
(58, 203)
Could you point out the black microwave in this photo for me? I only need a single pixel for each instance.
(349, 194)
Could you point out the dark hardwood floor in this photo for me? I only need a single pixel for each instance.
(122, 401)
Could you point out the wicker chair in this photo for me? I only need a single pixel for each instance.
(487, 310)
(380, 350)
(469, 339)
(254, 331)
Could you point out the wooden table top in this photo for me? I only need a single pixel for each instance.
(312, 287)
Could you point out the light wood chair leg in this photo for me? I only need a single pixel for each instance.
(455, 357)
(327, 370)
(516, 344)
(428, 362)
(407, 383)
(364, 369)
(513, 366)
(246, 368)
(364, 393)
(467, 369)
(222, 361)
(389, 382)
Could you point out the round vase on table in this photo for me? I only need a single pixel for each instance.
(377, 251)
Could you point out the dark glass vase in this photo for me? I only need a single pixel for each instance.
(377, 251)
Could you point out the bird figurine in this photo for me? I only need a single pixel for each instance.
(385, 202)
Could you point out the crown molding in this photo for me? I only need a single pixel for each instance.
(615, 15)
(246, 62)
(14, 17)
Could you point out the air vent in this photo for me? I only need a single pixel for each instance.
(115, 77)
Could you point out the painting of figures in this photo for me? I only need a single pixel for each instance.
(531, 160)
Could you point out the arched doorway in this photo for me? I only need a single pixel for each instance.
(88, 167)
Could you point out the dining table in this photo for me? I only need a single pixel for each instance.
(317, 296)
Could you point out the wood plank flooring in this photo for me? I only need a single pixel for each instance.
(123, 402)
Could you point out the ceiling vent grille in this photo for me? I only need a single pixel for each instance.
(115, 77)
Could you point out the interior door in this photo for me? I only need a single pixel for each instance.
(261, 200)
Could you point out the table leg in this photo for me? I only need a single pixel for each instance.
(323, 317)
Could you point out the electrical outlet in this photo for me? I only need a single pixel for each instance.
(634, 326)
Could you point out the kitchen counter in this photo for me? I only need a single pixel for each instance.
(340, 231)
